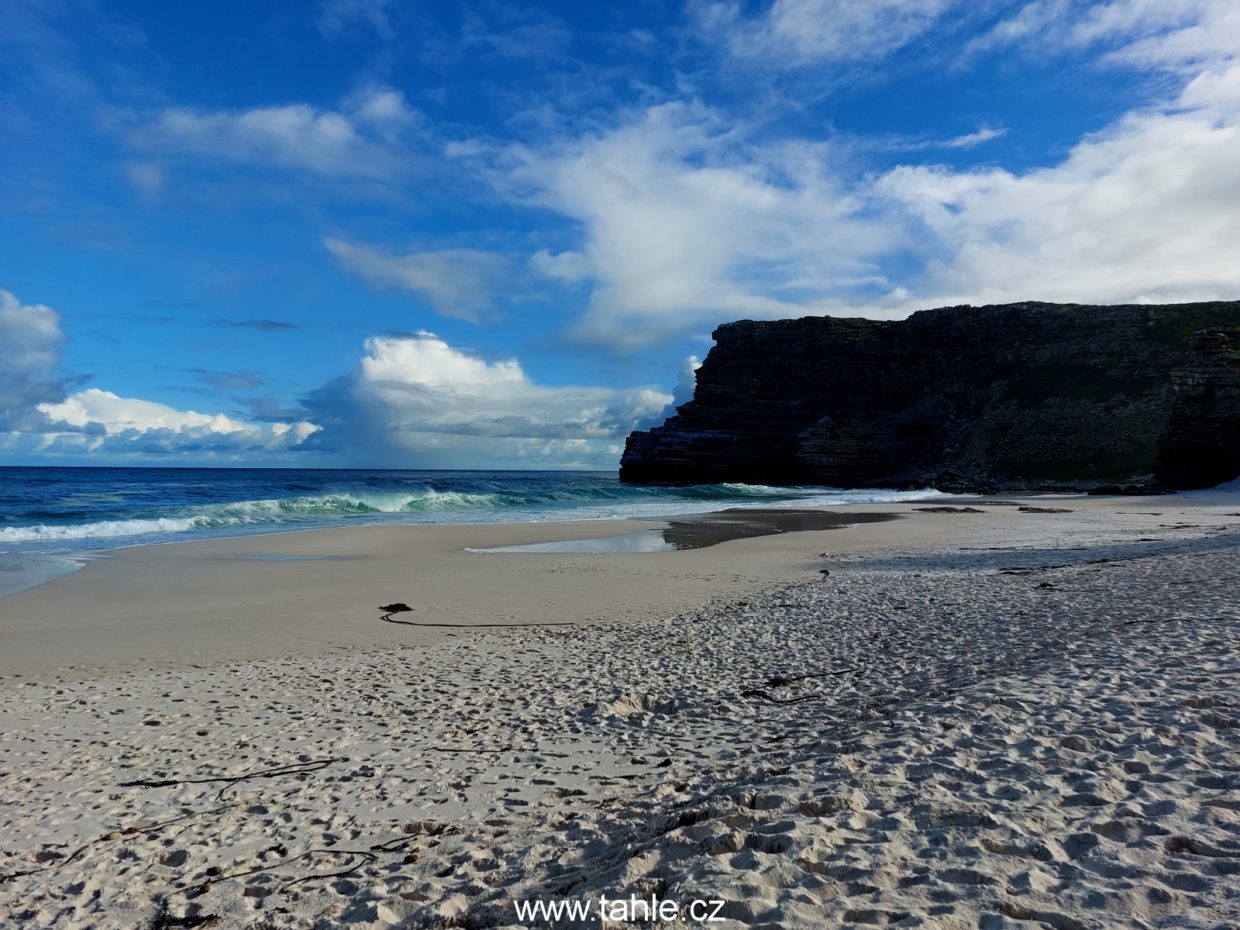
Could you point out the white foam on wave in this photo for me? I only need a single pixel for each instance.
(106, 529)
(429, 505)
(346, 503)
(251, 513)
(765, 490)
(882, 496)
(824, 496)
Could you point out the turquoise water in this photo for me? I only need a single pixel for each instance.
(46, 513)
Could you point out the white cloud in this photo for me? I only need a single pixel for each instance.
(30, 345)
(37, 418)
(682, 393)
(1159, 33)
(973, 139)
(382, 106)
(799, 32)
(427, 361)
(1163, 32)
(419, 402)
(686, 383)
(1214, 89)
(355, 141)
(899, 143)
(100, 421)
(459, 283)
(412, 400)
(1148, 210)
(686, 223)
(1033, 20)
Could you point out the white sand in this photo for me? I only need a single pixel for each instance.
(944, 732)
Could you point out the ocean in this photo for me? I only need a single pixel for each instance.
(53, 518)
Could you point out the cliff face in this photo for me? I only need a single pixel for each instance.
(964, 398)
(1201, 445)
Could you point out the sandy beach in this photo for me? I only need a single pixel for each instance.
(317, 592)
(1008, 718)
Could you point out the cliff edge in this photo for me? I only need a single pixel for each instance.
(1028, 396)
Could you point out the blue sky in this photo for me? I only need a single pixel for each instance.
(475, 234)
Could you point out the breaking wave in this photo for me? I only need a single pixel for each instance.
(547, 501)
(104, 529)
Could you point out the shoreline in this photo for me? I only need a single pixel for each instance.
(40, 564)
(974, 719)
(317, 591)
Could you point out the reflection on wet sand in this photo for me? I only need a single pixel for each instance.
(698, 531)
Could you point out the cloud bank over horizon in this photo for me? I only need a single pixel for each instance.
(411, 401)
(354, 238)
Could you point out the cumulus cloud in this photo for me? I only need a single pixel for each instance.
(355, 141)
(411, 401)
(37, 418)
(682, 393)
(686, 219)
(686, 222)
(30, 347)
(459, 283)
(417, 401)
(800, 32)
(96, 420)
(686, 382)
(1145, 211)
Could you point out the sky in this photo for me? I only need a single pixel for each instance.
(404, 233)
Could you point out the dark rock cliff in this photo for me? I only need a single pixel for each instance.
(1029, 395)
(1201, 445)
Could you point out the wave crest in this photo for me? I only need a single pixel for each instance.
(533, 503)
(104, 529)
